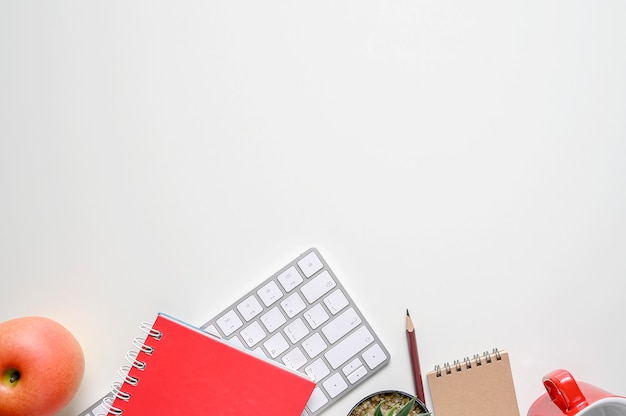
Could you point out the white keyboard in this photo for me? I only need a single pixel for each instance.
(304, 318)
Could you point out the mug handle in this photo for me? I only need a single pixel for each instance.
(564, 391)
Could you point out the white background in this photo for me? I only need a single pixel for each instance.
(463, 159)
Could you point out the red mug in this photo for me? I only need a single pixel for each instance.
(567, 397)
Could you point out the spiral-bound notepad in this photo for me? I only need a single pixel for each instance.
(181, 370)
(480, 386)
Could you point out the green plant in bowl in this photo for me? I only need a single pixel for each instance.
(404, 410)
(389, 403)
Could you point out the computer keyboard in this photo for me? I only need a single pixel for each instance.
(304, 318)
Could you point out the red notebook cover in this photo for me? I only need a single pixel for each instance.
(190, 372)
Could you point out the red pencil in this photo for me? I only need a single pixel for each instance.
(415, 361)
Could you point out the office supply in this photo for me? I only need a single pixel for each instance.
(180, 370)
(481, 386)
(415, 361)
(303, 317)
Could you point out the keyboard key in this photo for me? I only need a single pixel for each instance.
(316, 316)
(317, 369)
(229, 322)
(249, 308)
(259, 351)
(296, 330)
(270, 293)
(374, 356)
(314, 345)
(352, 366)
(310, 264)
(290, 279)
(273, 319)
(236, 342)
(211, 329)
(276, 345)
(358, 374)
(318, 287)
(293, 305)
(252, 334)
(341, 325)
(99, 411)
(349, 346)
(317, 399)
(336, 301)
(294, 359)
(334, 385)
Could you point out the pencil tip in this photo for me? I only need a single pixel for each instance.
(407, 312)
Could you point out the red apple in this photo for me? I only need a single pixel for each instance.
(41, 367)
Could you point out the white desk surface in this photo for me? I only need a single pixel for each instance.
(465, 160)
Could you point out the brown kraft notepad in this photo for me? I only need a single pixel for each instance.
(481, 386)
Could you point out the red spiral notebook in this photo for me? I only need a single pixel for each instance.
(182, 370)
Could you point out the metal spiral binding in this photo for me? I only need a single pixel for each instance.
(467, 362)
(496, 354)
(133, 361)
(446, 368)
(477, 360)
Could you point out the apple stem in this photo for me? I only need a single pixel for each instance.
(14, 377)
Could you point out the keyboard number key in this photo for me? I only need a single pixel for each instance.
(252, 334)
(310, 264)
(229, 322)
(290, 279)
(273, 319)
(270, 293)
(293, 305)
(249, 308)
